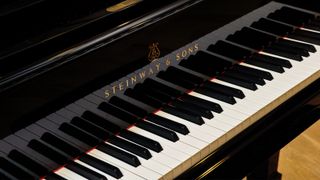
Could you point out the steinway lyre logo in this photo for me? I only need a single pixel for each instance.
(154, 52)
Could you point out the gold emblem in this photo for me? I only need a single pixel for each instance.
(154, 51)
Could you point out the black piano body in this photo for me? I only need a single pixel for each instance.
(58, 60)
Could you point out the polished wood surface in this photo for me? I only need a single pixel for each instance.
(300, 159)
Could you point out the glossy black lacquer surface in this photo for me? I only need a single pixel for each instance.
(26, 102)
(41, 92)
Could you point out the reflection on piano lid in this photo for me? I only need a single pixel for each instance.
(172, 107)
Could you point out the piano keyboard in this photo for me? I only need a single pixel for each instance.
(168, 123)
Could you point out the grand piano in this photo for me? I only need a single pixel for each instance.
(141, 89)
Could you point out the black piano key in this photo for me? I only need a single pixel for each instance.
(162, 132)
(247, 85)
(163, 97)
(206, 64)
(291, 49)
(141, 140)
(144, 98)
(61, 144)
(255, 72)
(14, 170)
(28, 163)
(192, 108)
(229, 50)
(216, 95)
(224, 89)
(13, 142)
(309, 34)
(283, 52)
(167, 93)
(133, 109)
(176, 80)
(251, 38)
(102, 166)
(153, 118)
(117, 112)
(304, 38)
(119, 154)
(79, 134)
(133, 148)
(271, 60)
(313, 24)
(291, 16)
(6, 176)
(257, 61)
(177, 127)
(101, 122)
(162, 87)
(48, 152)
(53, 176)
(202, 103)
(301, 45)
(245, 77)
(90, 128)
(184, 115)
(85, 172)
(272, 27)
(48, 126)
(173, 71)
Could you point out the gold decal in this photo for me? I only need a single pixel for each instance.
(187, 52)
(114, 89)
(151, 70)
(168, 62)
(121, 87)
(178, 57)
(196, 47)
(106, 93)
(142, 74)
(158, 66)
(154, 51)
(133, 79)
(184, 53)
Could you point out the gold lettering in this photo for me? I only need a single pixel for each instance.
(133, 79)
(106, 93)
(168, 62)
(196, 47)
(114, 88)
(150, 71)
(184, 53)
(127, 82)
(121, 86)
(190, 50)
(142, 74)
(158, 66)
(178, 56)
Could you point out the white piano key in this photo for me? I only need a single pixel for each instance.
(191, 126)
(164, 157)
(96, 170)
(140, 170)
(215, 122)
(180, 153)
(222, 117)
(151, 163)
(241, 112)
(68, 174)
(189, 139)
